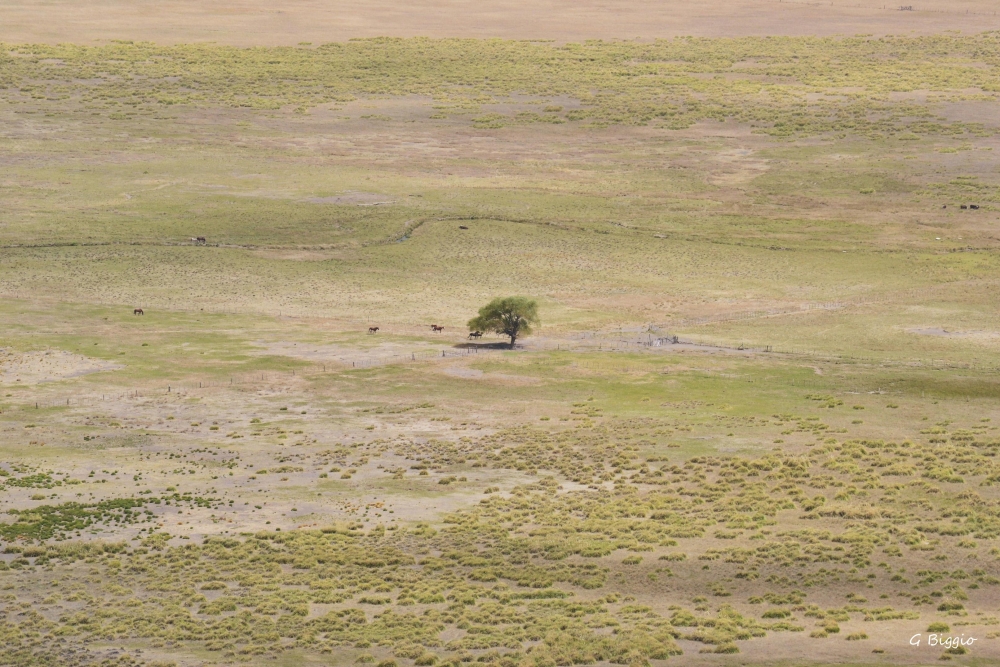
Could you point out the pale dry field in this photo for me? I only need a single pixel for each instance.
(260, 22)
(244, 476)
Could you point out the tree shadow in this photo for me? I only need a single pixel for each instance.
(484, 346)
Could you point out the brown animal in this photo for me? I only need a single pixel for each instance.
(372, 330)
(138, 311)
(200, 239)
(462, 227)
(436, 329)
(476, 334)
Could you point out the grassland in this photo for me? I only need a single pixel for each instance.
(243, 476)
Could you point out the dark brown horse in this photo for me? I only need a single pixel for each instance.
(476, 334)
(372, 330)
(436, 329)
(138, 311)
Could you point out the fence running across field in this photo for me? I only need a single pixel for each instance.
(652, 339)
(643, 351)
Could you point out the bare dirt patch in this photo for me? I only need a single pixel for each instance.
(319, 353)
(48, 366)
(935, 331)
(353, 199)
(476, 374)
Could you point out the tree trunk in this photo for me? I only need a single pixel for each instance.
(512, 339)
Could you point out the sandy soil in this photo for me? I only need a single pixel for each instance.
(48, 366)
(500, 378)
(259, 22)
(947, 333)
(385, 352)
(354, 198)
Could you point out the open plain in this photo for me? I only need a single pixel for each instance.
(757, 425)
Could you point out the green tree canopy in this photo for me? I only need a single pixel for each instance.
(509, 316)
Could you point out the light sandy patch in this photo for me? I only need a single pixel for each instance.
(972, 111)
(463, 372)
(318, 353)
(475, 374)
(296, 255)
(736, 167)
(48, 366)
(696, 347)
(353, 199)
(938, 331)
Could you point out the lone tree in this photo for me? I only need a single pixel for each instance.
(509, 316)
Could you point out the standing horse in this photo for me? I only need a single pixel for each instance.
(372, 330)
(436, 329)
(138, 311)
(476, 334)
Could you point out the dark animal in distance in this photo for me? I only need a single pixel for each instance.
(462, 227)
(372, 330)
(974, 207)
(198, 239)
(476, 334)
(436, 329)
(138, 311)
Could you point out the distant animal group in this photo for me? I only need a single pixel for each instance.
(974, 207)
(436, 328)
(198, 239)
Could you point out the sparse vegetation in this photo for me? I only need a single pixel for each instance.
(673, 465)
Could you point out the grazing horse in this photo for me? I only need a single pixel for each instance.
(436, 329)
(476, 334)
(372, 330)
(138, 311)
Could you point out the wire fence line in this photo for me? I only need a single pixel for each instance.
(650, 338)
(642, 353)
